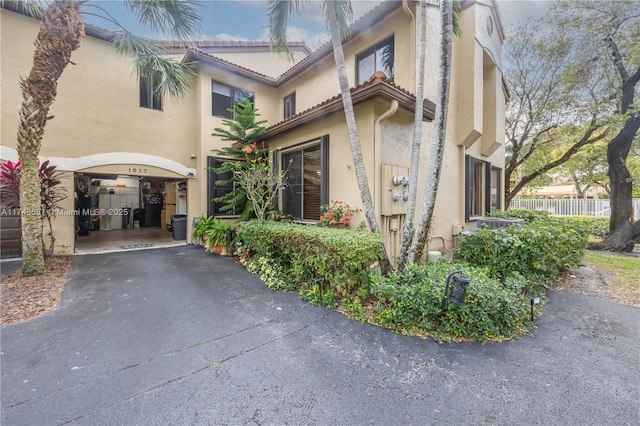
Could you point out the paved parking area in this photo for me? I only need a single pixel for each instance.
(177, 336)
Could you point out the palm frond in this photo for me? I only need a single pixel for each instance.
(127, 43)
(174, 78)
(455, 18)
(280, 12)
(344, 15)
(176, 18)
(34, 8)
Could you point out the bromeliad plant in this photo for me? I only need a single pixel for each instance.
(336, 213)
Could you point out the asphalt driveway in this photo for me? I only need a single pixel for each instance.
(180, 337)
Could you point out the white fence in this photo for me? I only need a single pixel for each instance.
(572, 207)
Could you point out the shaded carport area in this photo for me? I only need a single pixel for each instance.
(179, 336)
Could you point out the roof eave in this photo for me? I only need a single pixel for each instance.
(193, 56)
(335, 105)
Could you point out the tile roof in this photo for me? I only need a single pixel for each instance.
(197, 55)
(377, 85)
(240, 45)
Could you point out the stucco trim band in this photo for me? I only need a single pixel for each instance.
(110, 158)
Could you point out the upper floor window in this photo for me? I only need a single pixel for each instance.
(149, 98)
(225, 97)
(290, 105)
(376, 58)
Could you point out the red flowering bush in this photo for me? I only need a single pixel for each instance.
(337, 212)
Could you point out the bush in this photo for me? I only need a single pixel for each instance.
(411, 302)
(539, 251)
(528, 215)
(306, 252)
(596, 226)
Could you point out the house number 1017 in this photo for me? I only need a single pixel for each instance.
(137, 170)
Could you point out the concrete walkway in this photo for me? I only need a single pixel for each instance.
(177, 336)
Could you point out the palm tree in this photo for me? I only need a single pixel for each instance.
(409, 234)
(439, 133)
(337, 13)
(61, 32)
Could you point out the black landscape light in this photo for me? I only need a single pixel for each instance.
(455, 293)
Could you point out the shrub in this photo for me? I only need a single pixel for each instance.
(597, 226)
(410, 301)
(539, 251)
(528, 215)
(306, 252)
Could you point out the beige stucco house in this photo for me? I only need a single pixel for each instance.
(110, 136)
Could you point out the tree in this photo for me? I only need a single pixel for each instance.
(609, 33)
(60, 34)
(418, 241)
(240, 132)
(587, 168)
(552, 92)
(337, 13)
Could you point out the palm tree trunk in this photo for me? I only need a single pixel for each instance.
(61, 31)
(408, 233)
(354, 140)
(439, 134)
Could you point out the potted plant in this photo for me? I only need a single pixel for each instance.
(201, 228)
(218, 236)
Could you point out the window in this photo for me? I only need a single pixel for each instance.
(483, 186)
(290, 105)
(218, 185)
(225, 97)
(148, 93)
(377, 58)
(495, 196)
(306, 186)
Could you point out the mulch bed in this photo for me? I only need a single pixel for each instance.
(23, 298)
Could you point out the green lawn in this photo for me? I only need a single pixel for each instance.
(626, 273)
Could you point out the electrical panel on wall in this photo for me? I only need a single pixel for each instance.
(395, 190)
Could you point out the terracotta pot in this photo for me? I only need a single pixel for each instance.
(338, 225)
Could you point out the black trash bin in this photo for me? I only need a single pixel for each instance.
(139, 215)
(179, 226)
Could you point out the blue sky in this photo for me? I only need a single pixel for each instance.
(247, 20)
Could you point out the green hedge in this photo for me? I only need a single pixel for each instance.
(296, 254)
(596, 226)
(290, 256)
(528, 215)
(539, 250)
(410, 301)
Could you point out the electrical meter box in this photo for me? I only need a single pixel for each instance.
(395, 190)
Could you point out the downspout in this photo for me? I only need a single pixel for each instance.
(377, 156)
(414, 37)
